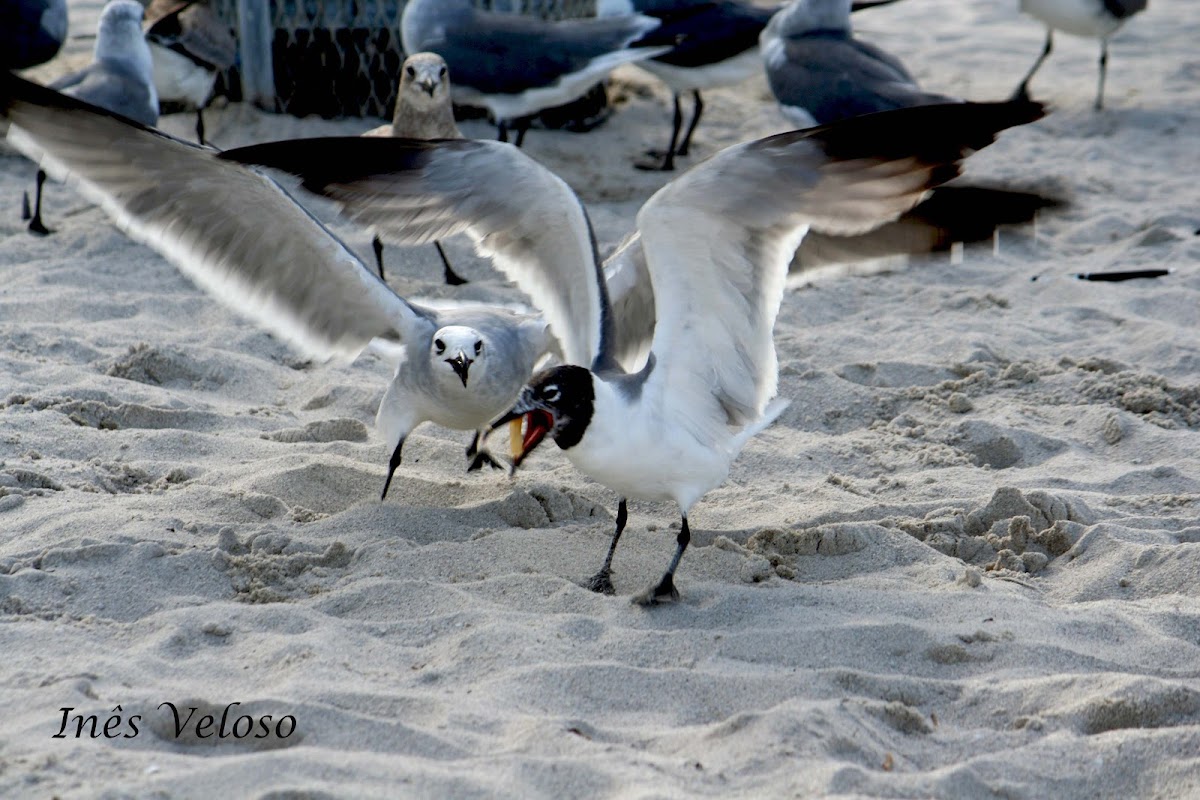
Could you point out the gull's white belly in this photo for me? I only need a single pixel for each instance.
(1078, 17)
(729, 72)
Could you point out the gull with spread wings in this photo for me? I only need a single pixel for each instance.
(241, 237)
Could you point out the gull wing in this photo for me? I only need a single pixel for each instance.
(236, 233)
(520, 214)
(718, 240)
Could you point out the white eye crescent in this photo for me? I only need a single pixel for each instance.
(551, 394)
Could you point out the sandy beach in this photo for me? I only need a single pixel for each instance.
(964, 563)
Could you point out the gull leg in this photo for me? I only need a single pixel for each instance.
(665, 591)
(1022, 92)
(1103, 73)
(522, 126)
(668, 162)
(26, 212)
(200, 127)
(36, 225)
(451, 277)
(377, 246)
(602, 581)
(502, 131)
(480, 457)
(682, 150)
(392, 464)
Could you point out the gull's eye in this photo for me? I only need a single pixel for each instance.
(550, 393)
(442, 72)
(412, 72)
(440, 345)
(478, 348)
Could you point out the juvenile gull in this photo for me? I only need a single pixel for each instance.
(819, 72)
(118, 79)
(1096, 19)
(239, 236)
(31, 31)
(190, 46)
(716, 243)
(423, 111)
(515, 65)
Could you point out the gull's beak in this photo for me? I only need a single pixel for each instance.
(429, 86)
(460, 364)
(538, 422)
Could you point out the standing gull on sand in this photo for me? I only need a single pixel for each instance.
(819, 72)
(423, 111)
(119, 79)
(240, 237)
(1096, 19)
(515, 66)
(190, 46)
(717, 242)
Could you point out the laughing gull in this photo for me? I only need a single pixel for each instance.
(717, 46)
(1096, 19)
(716, 243)
(423, 111)
(31, 31)
(239, 236)
(514, 65)
(190, 46)
(118, 79)
(819, 72)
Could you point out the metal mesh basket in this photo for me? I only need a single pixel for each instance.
(336, 58)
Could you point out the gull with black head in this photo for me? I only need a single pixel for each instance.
(716, 243)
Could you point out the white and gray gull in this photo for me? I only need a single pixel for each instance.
(716, 243)
(190, 46)
(118, 79)
(423, 111)
(1096, 19)
(820, 72)
(516, 66)
(241, 237)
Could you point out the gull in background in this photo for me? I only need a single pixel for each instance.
(423, 111)
(516, 66)
(240, 237)
(1095, 19)
(716, 243)
(31, 31)
(190, 46)
(820, 73)
(716, 45)
(118, 79)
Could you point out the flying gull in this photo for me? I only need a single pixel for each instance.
(118, 79)
(190, 46)
(239, 236)
(819, 72)
(1096, 19)
(514, 65)
(716, 243)
(423, 111)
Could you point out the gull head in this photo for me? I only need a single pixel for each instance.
(424, 81)
(119, 36)
(459, 351)
(557, 402)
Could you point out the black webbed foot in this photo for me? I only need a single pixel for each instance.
(481, 458)
(664, 592)
(601, 582)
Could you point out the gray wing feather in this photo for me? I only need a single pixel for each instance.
(840, 78)
(113, 87)
(233, 231)
(521, 215)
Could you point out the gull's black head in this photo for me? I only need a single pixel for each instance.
(557, 402)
